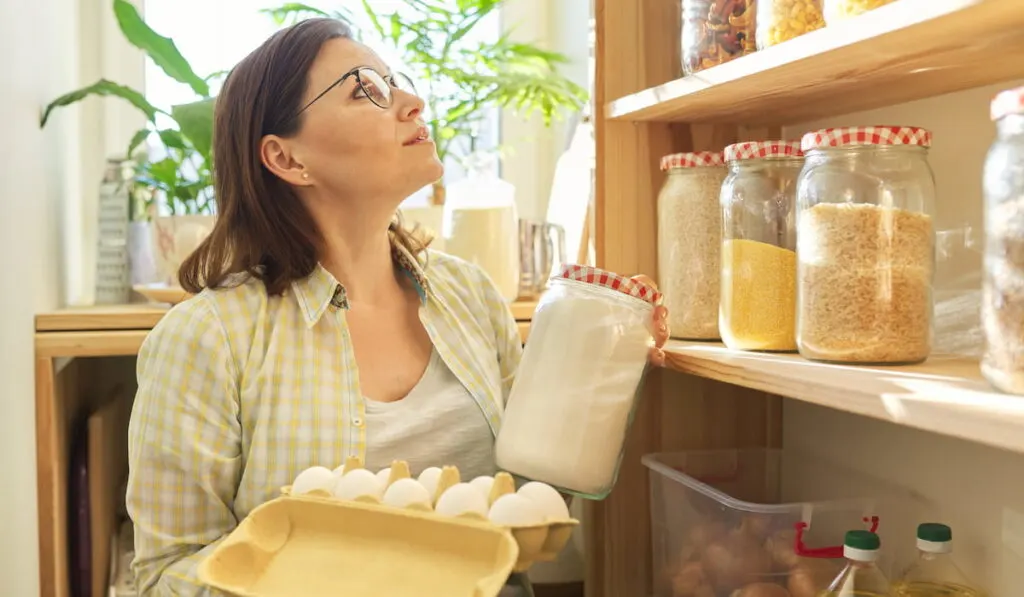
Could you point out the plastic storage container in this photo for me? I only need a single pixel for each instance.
(725, 519)
(782, 20)
(716, 31)
(758, 304)
(934, 573)
(689, 242)
(840, 10)
(570, 406)
(865, 245)
(1002, 303)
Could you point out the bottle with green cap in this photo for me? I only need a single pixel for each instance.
(861, 577)
(934, 573)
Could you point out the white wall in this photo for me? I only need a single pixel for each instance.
(37, 41)
(978, 490)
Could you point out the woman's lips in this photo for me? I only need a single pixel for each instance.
(422, 136)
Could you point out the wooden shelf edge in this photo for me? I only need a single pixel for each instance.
(907, 50)
(945, 395)
(89, 344)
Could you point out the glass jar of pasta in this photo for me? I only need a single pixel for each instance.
(840, 10)
(758, 301)
(865, 245)
(1002, 305)
(782, 20)
(689, 242)
(716, 31)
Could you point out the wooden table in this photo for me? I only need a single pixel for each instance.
(67, 387)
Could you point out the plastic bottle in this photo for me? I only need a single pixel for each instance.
(861, 577)
(934, 573)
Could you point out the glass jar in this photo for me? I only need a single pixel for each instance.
(1002, 305)
(865, 245)
(758, 304)
(840, 10)
(782, 20)
(572, 401)
(716, 31)
(689, 242)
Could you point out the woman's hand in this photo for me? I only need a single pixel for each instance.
(659, 326)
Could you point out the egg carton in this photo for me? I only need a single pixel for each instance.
(536, 515)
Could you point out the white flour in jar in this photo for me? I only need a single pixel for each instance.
(487, 235)
(569, 410)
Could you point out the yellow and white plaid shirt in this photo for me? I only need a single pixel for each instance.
(240, 391)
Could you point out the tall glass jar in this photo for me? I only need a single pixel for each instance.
(1002, 305)
(716, 31)
(782, 20)
(758, 304)
(840, 10)
(865, 246)
(689, 242)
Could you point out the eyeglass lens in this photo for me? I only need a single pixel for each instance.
(379, 90)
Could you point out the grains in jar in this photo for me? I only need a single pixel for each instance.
(782, 20)
(716, 31)
(839, 10)
(758, 303)
(866, 246)
(1002, 305)
(689, 242)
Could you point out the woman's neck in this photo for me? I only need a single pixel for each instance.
(360, 259)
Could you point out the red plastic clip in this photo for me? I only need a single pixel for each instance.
(830, 553)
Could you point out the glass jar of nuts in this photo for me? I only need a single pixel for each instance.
(782, 20)
(839, 10)
(716, 31)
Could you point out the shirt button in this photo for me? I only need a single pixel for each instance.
(358, 422)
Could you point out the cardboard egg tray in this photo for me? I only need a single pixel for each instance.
(540, 542)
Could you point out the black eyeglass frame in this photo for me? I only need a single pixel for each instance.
(389, 79)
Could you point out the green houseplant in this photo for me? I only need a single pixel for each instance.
(181, 178)
(463, 78)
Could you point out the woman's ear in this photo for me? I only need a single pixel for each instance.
(276, 155)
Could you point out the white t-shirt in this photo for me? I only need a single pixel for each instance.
(437, 424)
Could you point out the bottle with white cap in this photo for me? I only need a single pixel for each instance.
(934, 573)
(861, 577)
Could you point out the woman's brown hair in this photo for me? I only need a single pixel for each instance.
(262, 229)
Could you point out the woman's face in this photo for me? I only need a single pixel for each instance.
(348, 146)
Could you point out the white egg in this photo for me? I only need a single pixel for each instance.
(429, 478)
(483, 484)
(461, 498)
(547, 498)
(314, 478)
(358, 483)
(513, 509)
(384, 475)
(407, 492)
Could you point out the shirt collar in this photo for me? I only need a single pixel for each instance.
(320, 290)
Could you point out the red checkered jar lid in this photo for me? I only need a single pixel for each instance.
(1007, 103)
(754, 150)
(866, 135)
(600, 277)
(692, 159)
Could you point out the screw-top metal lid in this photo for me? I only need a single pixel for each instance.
(934, 537)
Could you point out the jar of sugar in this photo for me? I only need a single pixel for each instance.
(574, 393)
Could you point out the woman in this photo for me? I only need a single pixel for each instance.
(320, 327)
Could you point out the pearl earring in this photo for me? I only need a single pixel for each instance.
(305, 175)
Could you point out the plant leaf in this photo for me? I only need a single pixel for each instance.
(374, 20)
(160, 49)
(195, 121)
(293, 12)
(173, 138)
(102, 87)
(138, 138)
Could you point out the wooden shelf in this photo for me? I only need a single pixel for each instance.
(944, 395)
(907, 50)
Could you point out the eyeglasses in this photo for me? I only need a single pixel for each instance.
(374, 85)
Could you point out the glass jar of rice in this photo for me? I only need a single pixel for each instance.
(758, 303)
(865, 246)
(689, 242)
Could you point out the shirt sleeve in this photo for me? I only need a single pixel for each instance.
(184, 450)
(509, 342)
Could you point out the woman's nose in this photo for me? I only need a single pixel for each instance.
(410, 105)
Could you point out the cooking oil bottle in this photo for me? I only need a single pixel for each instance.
(861, 577)
(935, 574)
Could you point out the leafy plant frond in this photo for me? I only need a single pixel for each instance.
(103, 87)
(160, 49)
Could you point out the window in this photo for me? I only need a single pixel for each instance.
(215, 34)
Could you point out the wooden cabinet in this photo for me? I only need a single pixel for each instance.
(711, 397)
